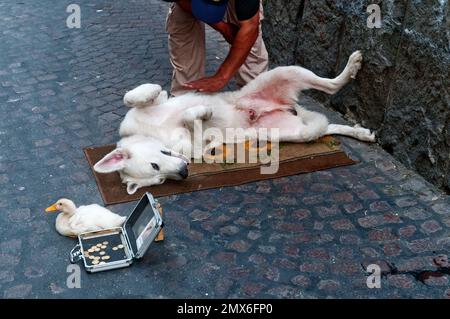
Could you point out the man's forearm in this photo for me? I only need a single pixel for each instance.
(240, 49)
(241, 41)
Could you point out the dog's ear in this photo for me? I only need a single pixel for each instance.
(132, 187)
(114, 161)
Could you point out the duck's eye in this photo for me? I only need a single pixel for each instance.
(155, 166)
(166, 153)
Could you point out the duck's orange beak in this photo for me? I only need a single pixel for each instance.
(51, 209)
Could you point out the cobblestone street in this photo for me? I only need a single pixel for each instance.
(305, 236)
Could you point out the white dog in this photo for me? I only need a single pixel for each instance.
(157, 137)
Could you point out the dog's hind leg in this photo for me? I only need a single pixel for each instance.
(145, 95)
(279, 88)
(357, 132)
(332, 86)
(306, 126)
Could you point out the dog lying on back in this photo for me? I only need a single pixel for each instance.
(157, 133)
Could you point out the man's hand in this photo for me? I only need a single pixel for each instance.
(208, 85)
(242, 38)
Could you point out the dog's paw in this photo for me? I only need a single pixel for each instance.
(364, 134)
(206, 114)
(354, 63)
(142, 96)
(162, 98)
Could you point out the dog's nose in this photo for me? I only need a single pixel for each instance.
(184, 172)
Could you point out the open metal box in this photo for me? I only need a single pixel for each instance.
(119, 247)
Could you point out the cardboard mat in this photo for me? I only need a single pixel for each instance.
(294, 159)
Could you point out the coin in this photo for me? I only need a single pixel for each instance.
(102, 253)
(91, 257)
(103, 247)
(102, 262)
(120, 246)
(96, 258)
(97, 249)
(115, 248)
(105, 243)
(86, 254)
(95, 262)
(106, 257)
(91, 250)
(99, 245)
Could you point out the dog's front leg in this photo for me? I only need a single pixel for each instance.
(193, 114)
(145, 95)
(193, 119)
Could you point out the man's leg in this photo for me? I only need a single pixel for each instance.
(258, 59)
(186, 48)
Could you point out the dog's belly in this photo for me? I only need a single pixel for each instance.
(271, 119)
(265, 113)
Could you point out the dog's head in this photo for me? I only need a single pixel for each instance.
(142, 161)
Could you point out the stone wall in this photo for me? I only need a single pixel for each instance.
(403, 88)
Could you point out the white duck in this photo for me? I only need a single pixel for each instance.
(74, 221)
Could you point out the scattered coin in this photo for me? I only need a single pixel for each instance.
(102, 253)
(91, 250)
(106, 257)
(96, 258)
(115, 248)
(103, 247)
(95, 262)
(102, 262)
(99, 245)
(91, 257)
(120, 246)
(105, 243)
(97, 249)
